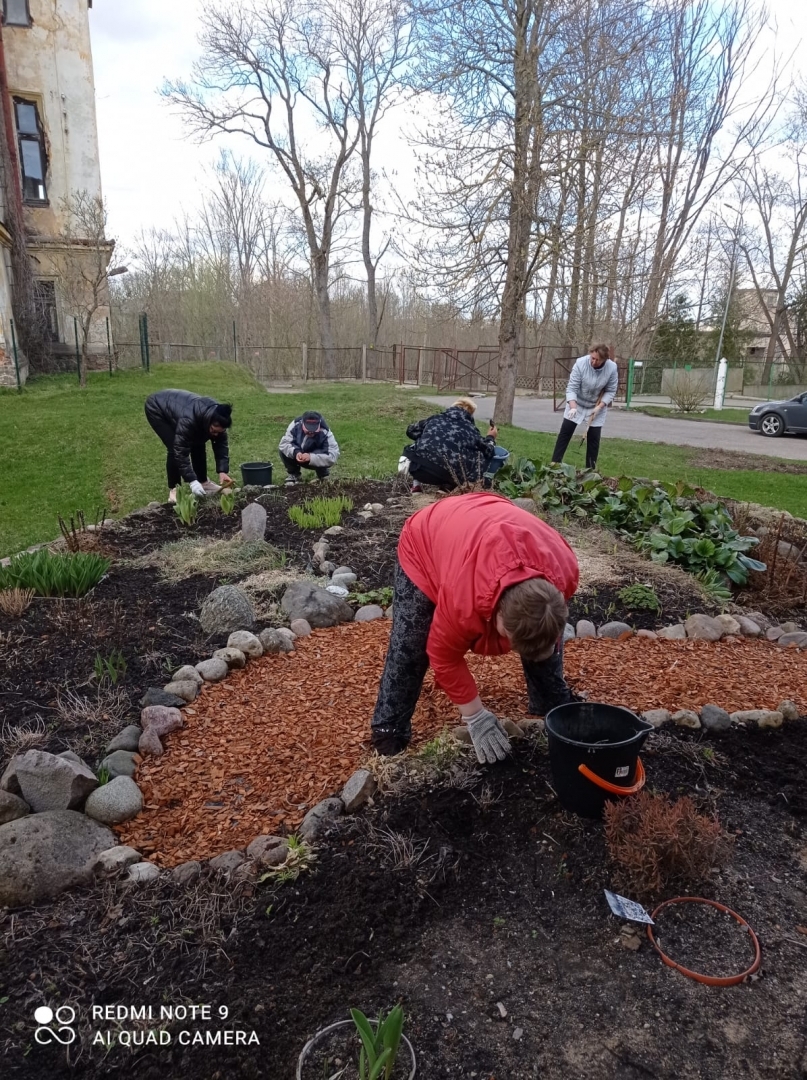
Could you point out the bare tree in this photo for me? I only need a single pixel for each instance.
(780, 201)
(80, 261)
(269, 71)
(375, 41)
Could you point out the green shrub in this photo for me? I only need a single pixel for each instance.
(664, 521)
(54, 575)
(639, 598)
(320, 513)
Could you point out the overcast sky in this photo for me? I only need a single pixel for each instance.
(150, 170)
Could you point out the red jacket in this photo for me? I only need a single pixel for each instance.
(462, 552)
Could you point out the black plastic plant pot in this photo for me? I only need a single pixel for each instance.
(334, 1052)
(594, 754)
(257, 473)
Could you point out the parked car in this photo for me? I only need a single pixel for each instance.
(775, 418)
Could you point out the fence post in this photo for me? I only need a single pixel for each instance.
(395, 361)
(420, 366)
(78, 354)
(146, 340)
(235, 343)
(305, 362)
(16, 357)
(142, 350)
(629, 386)
(109, 346)
(364, 363)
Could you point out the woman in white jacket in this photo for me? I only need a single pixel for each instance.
(592, 387)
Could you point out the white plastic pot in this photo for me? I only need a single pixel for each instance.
(322, 1035)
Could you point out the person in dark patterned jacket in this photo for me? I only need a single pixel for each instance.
(448, 450)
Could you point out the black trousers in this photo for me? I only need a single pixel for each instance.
(293, 467)
(198, 454)
(567, 430)
(407, 663)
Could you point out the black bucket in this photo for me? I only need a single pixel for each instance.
(257, 472)
(594, 754)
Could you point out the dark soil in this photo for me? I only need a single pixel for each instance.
(498, 898)
(601, 603)
(704, 939)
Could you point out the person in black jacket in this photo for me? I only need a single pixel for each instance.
(449, 451)
(185, 421)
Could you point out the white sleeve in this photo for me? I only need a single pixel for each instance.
(573, 388)
(286, 444)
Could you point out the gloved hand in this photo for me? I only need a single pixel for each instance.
(488, 736)
(196, 488)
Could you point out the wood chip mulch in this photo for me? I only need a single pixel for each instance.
(261, 748)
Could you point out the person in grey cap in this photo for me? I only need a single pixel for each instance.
(308, 444)
(185, 422)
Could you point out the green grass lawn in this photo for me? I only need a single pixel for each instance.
(65, 449)
(722, 416)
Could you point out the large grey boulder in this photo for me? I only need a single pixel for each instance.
(12, 807)
(253, 522)
(44, 854)
(49, 782)
(305, 600)
(155, 696)
(228, 608)
(113, 803)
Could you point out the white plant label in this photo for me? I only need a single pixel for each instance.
(627, 909)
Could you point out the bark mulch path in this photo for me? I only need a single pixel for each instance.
(272, 740)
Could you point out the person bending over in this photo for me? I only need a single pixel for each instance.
(185, 422)
(308, 444)
(477, 574)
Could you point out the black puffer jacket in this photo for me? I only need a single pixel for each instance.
(451, 440)
(190, 416)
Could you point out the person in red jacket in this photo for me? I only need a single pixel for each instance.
(474, 573)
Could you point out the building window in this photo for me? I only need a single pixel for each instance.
(45, 303)
(16, 13)
(33, 159)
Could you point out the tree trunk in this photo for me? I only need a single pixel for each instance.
(320, 270)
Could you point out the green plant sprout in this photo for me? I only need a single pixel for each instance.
(299, 857)
(382, 596)
(186, 506)
(112, 667)
(227, 501)
(380, 1046)
(320, 513)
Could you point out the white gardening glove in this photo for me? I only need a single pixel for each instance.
(196, 488)
(488, 736)
(573, 415)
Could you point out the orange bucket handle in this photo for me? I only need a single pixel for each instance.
(615, 789)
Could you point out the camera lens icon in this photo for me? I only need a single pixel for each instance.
(62, 1019)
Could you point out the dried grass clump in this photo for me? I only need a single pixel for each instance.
(657, 844)
(16, 739)
(228, 558)
(15, 602)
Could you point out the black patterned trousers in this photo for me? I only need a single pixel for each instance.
(407, 663)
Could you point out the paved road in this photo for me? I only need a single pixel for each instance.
(536, 414)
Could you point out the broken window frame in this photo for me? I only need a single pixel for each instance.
(17, 18)
(34, 188)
